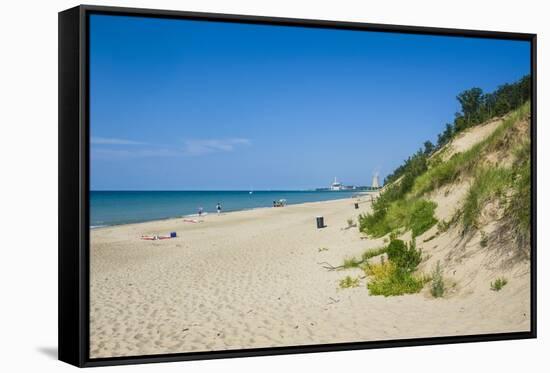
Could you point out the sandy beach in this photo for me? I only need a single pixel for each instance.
(253, 279)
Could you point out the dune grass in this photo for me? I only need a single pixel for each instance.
(356, 263)
(443, 173)
(438, 286)
(488, 184)
(414, 214)
(519, 209)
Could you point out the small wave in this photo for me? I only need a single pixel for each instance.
(195, 215)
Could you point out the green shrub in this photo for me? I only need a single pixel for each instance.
(498, 284)
(422, 217)
(395, 276)
(438, 287)
(389, 280)
(404, 256)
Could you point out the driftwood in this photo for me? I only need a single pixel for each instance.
(330, 267)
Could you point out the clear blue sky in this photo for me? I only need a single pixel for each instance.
(189, 105)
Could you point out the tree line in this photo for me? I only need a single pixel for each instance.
(476, 108)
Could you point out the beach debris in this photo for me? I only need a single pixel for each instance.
(156, 237)
(333, 301)
(192, 221)
(329, 266)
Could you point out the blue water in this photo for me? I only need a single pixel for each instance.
(123, 207)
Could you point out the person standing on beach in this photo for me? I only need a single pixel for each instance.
(200, 211)
(219, 208)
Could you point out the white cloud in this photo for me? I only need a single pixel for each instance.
(206, 146)
(195, 147)
(113, 141)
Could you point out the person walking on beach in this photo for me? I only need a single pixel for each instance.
(200, 211)
(219, 208)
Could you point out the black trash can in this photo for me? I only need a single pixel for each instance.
(356, 205)
(320, 222)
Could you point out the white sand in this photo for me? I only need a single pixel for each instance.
(251, 279)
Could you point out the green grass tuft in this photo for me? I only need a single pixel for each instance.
(349, 282)
(438, 286)
(356, 263)
(498, 284)
(372, 253)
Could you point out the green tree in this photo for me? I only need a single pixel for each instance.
(428, 147)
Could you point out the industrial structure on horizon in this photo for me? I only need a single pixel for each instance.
(337, 186)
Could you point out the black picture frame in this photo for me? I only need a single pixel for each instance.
(73, 250)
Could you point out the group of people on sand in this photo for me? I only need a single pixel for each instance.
(218, 209)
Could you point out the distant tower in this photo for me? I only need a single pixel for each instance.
(336, 185)
(375, 184)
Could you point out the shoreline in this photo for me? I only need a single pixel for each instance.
(196, 215)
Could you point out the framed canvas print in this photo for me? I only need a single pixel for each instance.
(238, 186)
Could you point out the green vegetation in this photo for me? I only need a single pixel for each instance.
(349, 282)
(388, 280)
(447, 172)
(371, 253)
(519, 208)
(405, 257)
(395, 276)
(488, 184)
(351, 263)
(476, 108)
(356, 263)
(498, 284)
(438, 287)
(511, 186)
(403, 206)
(414, 214)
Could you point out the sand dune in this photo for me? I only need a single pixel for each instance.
(252, 279)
